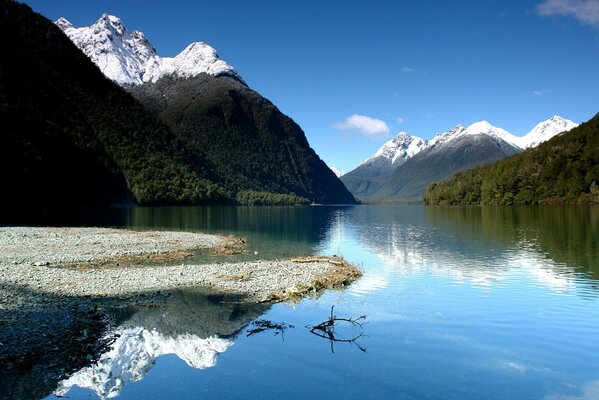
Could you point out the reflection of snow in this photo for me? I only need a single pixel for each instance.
(409, 249)
(369, 283)
(134, 353)
(590, 391)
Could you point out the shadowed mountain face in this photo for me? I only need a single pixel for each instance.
(72, 137)
(246, 140)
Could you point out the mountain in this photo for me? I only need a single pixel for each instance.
(439, 162)
(254, 151)
(129, 58)
(369, 176)
(562, 170)
(545, 130)
(72, 137)
(391, 174)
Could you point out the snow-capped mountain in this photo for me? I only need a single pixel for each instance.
(397, 150)
(482, 141)
(129, 58)
(402, 147)
(545, 130)
(134, 353)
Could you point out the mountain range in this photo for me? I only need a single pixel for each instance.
(404, 166)
(562, 170)
(74, 137)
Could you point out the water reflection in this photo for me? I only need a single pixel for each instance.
(555, 247)
(193, 326)
(589, 391)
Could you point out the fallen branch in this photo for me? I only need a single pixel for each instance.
(326, 330)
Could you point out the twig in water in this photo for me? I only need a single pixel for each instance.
(326, 330)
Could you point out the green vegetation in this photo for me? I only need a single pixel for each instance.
(72, 137)
(253, 198)
(563, 170)
(247, 142)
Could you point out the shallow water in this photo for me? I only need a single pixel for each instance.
(460, 303)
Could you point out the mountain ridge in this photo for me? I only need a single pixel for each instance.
(129, 58)
(371, 175)
(242, 140)
(562, 170)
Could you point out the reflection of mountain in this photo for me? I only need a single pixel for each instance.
(483, 246)
(135, 352)
(194, 327)
(567, 235)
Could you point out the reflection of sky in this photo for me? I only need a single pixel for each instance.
(394, 250)
(448, 316)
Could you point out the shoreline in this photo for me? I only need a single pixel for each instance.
(70, 263)
(58, 284)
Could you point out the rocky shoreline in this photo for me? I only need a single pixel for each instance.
(58, 280)
(109, 263)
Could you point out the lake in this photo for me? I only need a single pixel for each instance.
(459, 303)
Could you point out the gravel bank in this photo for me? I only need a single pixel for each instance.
(33, 260)
(54, 246)
(57, 283)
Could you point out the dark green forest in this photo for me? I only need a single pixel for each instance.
(248, 143)
(563, 170)
(71, 137)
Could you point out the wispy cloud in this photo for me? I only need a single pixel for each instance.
(407, 69)
(372, 128)
(585, 11)
(542, 92)
(428, 114)
(400, 120)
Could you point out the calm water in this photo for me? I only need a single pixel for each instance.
(461, 303)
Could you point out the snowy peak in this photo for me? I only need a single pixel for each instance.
(399, 149)
(128, 58)
(545, 130)
(402, 147)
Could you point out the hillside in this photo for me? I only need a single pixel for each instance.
(563, 170)
(72, 137)
(438, 163)
(404, 166)
(243, 142)
(248, 142)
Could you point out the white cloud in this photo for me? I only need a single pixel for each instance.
(367, 126)
(585, 11)
(337, 171)
(542, 92)
(407, 69)
(400, 120)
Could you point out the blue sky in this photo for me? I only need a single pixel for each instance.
(415, 66)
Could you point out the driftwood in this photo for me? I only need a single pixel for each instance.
(326, 330)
